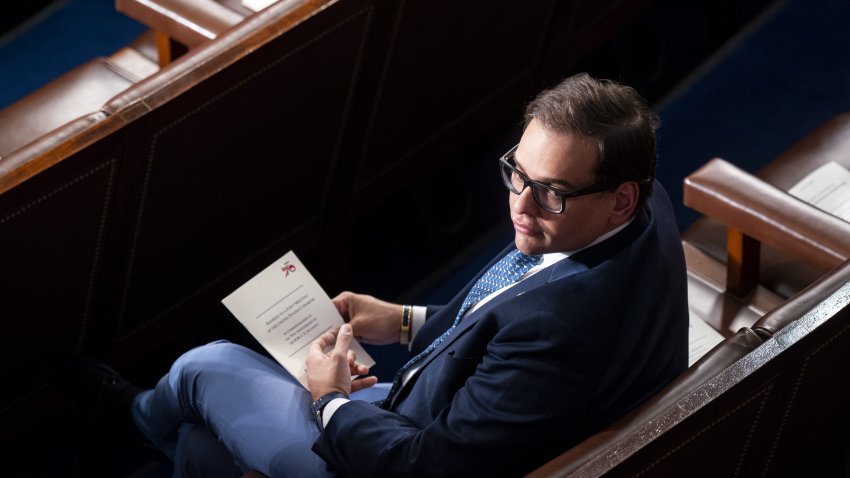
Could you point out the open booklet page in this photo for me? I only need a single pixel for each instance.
(285, 309)
(257, 5)
(827, 188)
(701, 338)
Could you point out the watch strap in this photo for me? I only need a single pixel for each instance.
(319, 405)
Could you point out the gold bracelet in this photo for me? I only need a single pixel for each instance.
(406, 315)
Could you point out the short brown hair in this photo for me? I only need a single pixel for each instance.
(615, 116)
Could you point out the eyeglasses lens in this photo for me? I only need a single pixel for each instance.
(544, 197)
(547, 199)
(512, 180)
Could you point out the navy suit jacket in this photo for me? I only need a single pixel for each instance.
(537, 369)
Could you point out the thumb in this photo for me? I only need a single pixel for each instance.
(343, 339)
(339, 303)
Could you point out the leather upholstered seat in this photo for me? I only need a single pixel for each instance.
(79, 92)
(718, 359)
(786, 272)
(765, 402)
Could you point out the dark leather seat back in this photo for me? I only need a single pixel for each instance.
(588, 457)
(747, 408)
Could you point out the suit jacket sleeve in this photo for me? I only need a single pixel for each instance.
(497, 408)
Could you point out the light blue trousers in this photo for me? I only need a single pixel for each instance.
(224, 409)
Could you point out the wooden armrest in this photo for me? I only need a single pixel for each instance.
(767, 214)
(189, 22)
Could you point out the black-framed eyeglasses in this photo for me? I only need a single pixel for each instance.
(547, 197)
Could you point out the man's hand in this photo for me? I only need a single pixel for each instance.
(374, 321)
(332, 371)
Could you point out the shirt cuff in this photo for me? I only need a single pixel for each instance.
(419, 314)
(331, 408)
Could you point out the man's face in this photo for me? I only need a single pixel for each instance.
(566, 162)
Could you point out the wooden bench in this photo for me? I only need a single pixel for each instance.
(784, 226)
(124, 227)
(770, 395)
(747, 408)
(79, 93)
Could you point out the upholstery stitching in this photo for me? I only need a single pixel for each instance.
(746, 446)
(107, 204)
(152, 153)
(349, 98)
(94, 266)
(700, 432)
(381, 83)
(263, 70)
(448, 125)
(769, 461)
(56, 191)
(23, 398)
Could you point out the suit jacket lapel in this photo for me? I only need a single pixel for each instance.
(578, 262)
(564, 268)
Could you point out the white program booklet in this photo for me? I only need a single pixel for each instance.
(285, 309)
(701, 338)
(257, 5)
(827, 188)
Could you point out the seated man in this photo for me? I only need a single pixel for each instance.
(577, 321)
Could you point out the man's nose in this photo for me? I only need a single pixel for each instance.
(524, 203)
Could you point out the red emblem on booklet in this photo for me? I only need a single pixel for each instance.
(287, 268)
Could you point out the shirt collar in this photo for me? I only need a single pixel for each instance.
(553, 257)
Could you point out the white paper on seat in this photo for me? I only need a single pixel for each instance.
(701, 338)
(827, 188)
(285, 309)
(257, 5)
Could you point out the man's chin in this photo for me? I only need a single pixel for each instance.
(527, 246)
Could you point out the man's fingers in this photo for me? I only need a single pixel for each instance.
(342, 305)
(324, 341)
(343, 340)
(359, 369)
(362, 383)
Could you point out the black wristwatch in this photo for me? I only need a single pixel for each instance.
(319, 405)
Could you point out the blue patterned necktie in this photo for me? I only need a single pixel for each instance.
(504, 273)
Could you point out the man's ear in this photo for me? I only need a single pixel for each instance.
(625, 201)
